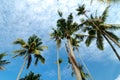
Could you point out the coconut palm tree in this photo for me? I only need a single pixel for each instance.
(99, 30)
(3, 62)
(31, 76)
(56, 35)
(67, 28)
(32, 47)
(75, 43)
(107, 1)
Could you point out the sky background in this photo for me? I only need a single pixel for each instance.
(23, 18)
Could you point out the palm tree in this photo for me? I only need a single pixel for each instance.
(56, 35)
(31, 76)
(3, 62)
(67, 28)
(107, 1)
(32, 47)
(99, 30)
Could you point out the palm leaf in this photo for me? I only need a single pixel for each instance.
(2, 55)
(60, 13)
(99, 41)
(29, 61)
(89, 40)
(41, 48)
(81, 10)
(105, 14)
(42, 59)
(111, 26)
(3, 62)
(36, 61)
(113, 35)
(20, 53)
(69, 20)
(19, 41)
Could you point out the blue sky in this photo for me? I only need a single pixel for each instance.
(22, 18)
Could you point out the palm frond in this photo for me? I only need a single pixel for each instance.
(105, 14)
(111, 26)
(69, 19)
(19, 41)
(89, 40)
(29, 61)
(113, 35)
(81, 10)
(41, 48)
(80, 36)
(60, 13)
(36, 61)
(42, 59)
(3, 62)
(2, 55)
(19, 53)
(99, 41)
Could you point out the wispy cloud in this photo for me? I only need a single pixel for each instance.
(118, 78)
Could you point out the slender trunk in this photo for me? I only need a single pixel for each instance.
(104, 33)
(73, 61)
(22, 67)
(58, 64)
(85, 66)
(112, 47)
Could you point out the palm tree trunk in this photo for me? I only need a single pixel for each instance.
(85, 66)
(22, 67)
(112, 47)
(58, 64)
(73, 61)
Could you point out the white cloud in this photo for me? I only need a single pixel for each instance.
(118, 78)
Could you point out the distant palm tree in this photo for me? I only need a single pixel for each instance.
(99, 30)
(32, 47)
(3, 62)
(107, 1)
(57, 36)
(31, 76)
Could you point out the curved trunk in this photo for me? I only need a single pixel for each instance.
(58, 64)
(112, 47)
(22, 67)
(73, 61)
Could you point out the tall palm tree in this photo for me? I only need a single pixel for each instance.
(57, 36)
(32, 47)
(75, 43)
(99, 30)
(3, 62)
(67, 28)
(31, 76)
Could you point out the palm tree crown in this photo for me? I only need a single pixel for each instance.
(32, 47)
(31, 76)
(98, 29)
(3, 62)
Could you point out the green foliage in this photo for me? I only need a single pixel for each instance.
(105, 14)
(99, 41)
(81, 10)
(34, 46)
(3, 62)
(60, 13)
(31, 76)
